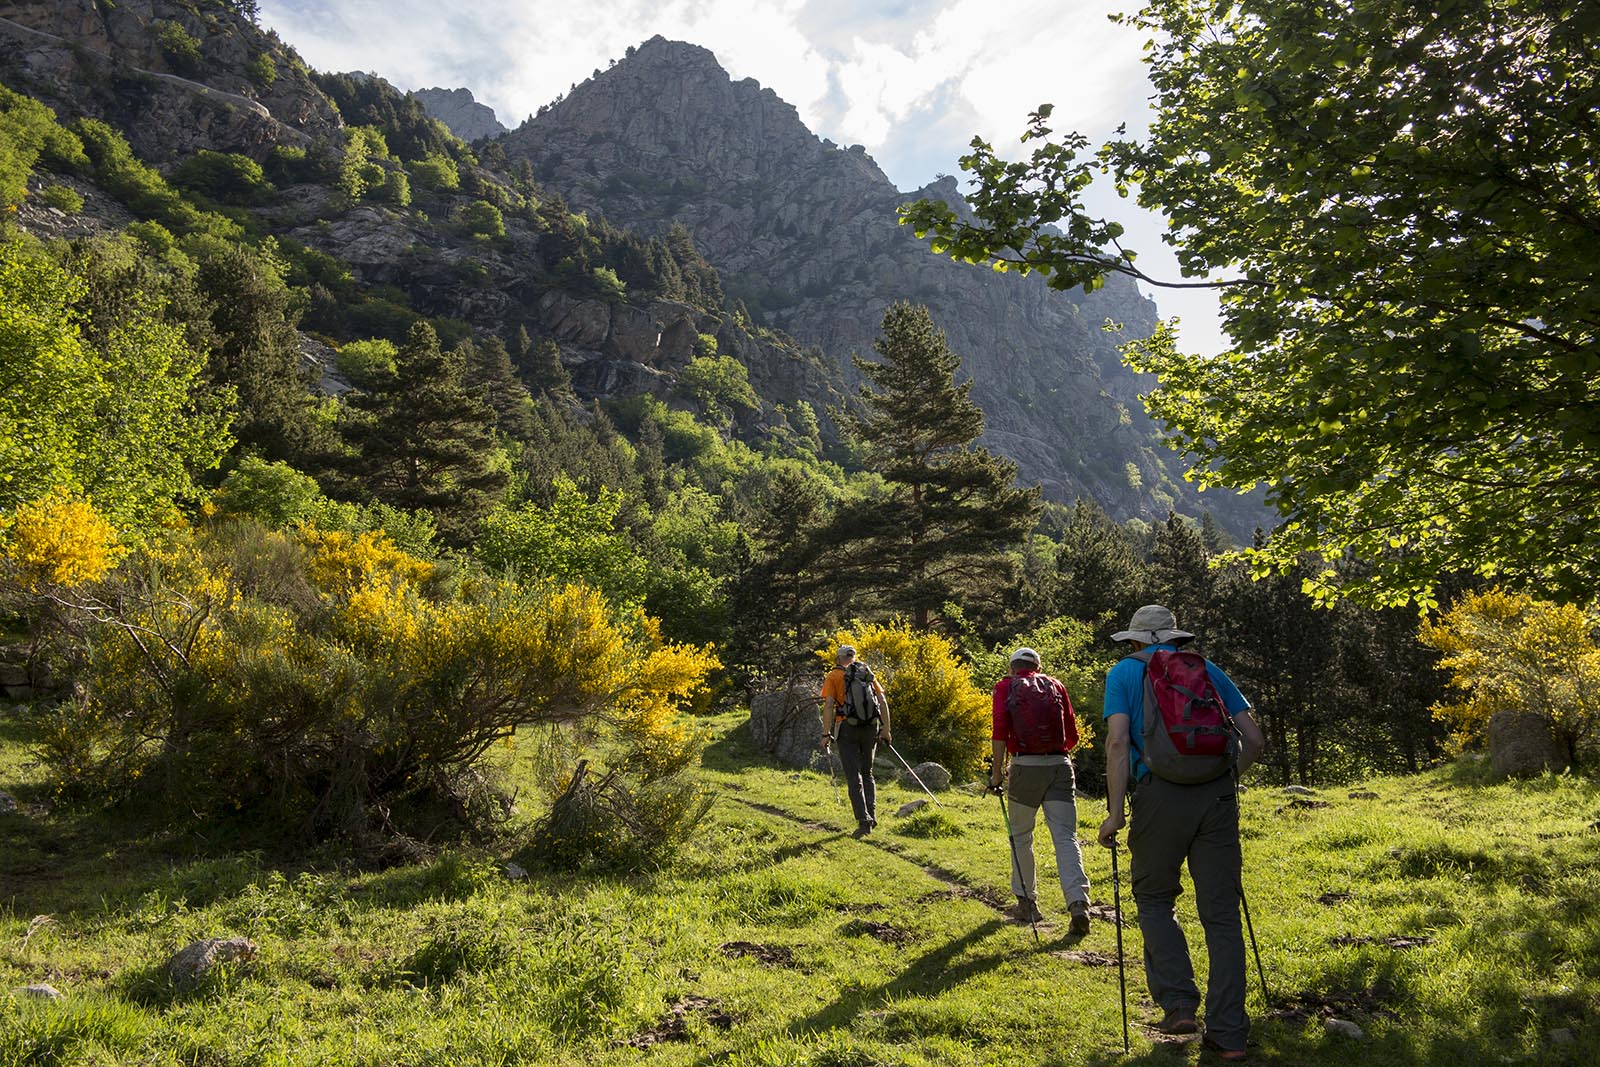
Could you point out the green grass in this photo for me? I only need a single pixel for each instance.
(1456, 921)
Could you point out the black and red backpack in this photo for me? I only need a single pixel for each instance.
(1042, 720)
(1188, 735)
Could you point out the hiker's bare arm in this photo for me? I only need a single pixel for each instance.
(1253, 742)
(1116, 778)
(998, 773)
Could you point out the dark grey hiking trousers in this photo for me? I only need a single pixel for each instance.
(1198, 824)
(857, 745)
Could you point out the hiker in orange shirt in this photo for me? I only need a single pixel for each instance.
(856, 713)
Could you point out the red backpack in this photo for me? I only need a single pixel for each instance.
(1188, 735)
(1041, 720)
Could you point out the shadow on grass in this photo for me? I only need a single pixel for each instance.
(929, 974)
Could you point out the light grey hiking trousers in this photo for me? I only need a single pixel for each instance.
(1198, 824)
(1050, 789)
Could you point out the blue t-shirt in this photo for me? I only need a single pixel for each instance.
(1125, 696)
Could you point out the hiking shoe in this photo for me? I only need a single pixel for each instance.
(862, 830)
(1178, 1021)
(1026, 911)
(1226, 1055)
(1080, 918)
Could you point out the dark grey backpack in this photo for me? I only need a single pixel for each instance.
(861, 705)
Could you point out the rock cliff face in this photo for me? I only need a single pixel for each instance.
(173, 77)
(457, 109)
(806, 234)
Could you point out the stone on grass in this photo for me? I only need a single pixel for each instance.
(911, 807)
(8, 804)
(1298, 791)
(1344, 1028)
(1521, 744)
(935, 777)
(1363, 794)
(515, 872)
(1563, 1036)
(194, 963)
(38, 991)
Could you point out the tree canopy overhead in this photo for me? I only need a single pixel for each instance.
(1400, 202)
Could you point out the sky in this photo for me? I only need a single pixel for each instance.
(911, 80)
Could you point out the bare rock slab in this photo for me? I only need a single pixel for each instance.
(934, 776)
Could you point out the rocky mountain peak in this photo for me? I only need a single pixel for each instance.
(805, 234)
(460, 110)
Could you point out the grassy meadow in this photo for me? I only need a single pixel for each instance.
(1454, 920)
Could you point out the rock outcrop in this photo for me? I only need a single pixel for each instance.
(238, 90)
(1521, 744)
(806, 234)
(457, 109)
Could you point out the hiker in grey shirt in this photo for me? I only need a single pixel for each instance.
(1175, 823)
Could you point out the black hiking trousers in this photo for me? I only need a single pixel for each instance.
(857, 745)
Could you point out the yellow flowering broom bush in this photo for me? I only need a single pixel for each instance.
(377, 692)
(937, 713)
(1509, 652)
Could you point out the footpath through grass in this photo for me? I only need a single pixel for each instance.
(1456, 922)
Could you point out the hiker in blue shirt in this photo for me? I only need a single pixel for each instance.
(1173, 823)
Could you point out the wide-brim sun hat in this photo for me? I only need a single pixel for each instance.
(1152, 625)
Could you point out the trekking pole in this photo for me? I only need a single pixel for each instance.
(1122, 969)
(913, 774)
(832, 776)
(1255, 949)
(1016, 864)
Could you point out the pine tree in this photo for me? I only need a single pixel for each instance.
(952, 511)
(422, 440)
(783, 600)
(1179, 572)
(541, 366)
(1098, 579)
(490, 376)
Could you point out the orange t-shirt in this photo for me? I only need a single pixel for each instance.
(833, 686)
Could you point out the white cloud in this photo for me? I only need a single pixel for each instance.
(912, 81)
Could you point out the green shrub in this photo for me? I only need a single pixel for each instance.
(607, 284)
(223, 176)
(62, 198)
(436, 172)
(29, 134)
(154, 236)
(480, 219)
(571, 539)
(182, 52)
(366, 363)
(262, 70)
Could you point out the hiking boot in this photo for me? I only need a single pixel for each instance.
(1178, 1020)
(862, 830)
(1080, 918)
(1226, 1055)
(1026, 911)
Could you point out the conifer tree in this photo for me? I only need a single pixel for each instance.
(1181, 576)
(493, 380)
(542, 367)
(422, 440)
(1097, 571)
(952, 511)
